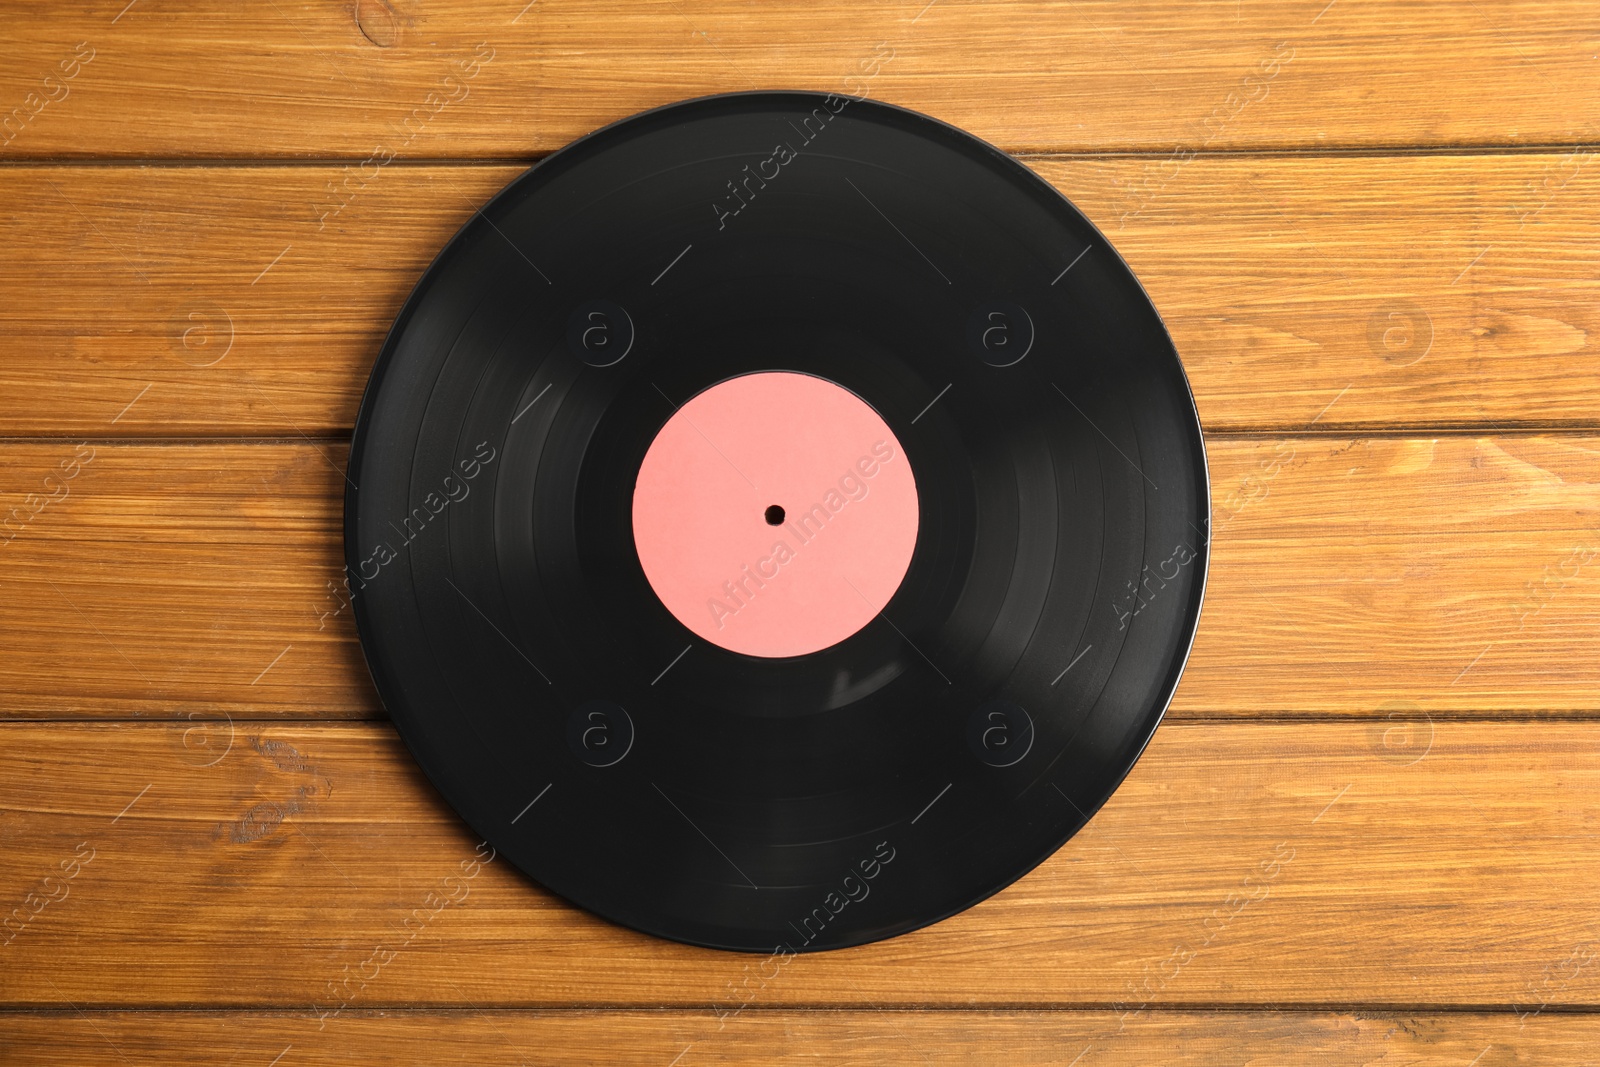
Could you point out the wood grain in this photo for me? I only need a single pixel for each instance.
(1460, 871)
(846, 1038)
(1459, 574)
(313, 78)
(1338, 292)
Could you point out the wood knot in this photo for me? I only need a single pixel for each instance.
(378, 22)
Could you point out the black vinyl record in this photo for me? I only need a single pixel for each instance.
(777, 802)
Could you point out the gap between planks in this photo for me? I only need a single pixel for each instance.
(1284, 151)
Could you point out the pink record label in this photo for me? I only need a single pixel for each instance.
(775, 514)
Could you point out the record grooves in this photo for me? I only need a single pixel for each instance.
(777, 521)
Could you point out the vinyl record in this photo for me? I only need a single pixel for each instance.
(777, 521)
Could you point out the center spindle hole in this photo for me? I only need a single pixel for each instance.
(774, 515)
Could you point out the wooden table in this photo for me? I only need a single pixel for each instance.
(1375, 243)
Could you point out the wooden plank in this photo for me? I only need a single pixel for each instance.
(299, 77)
(1457, 575)
(177, 580)
(252, 300)
(1460, 575)
(1291, 864)
(846, 1038)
